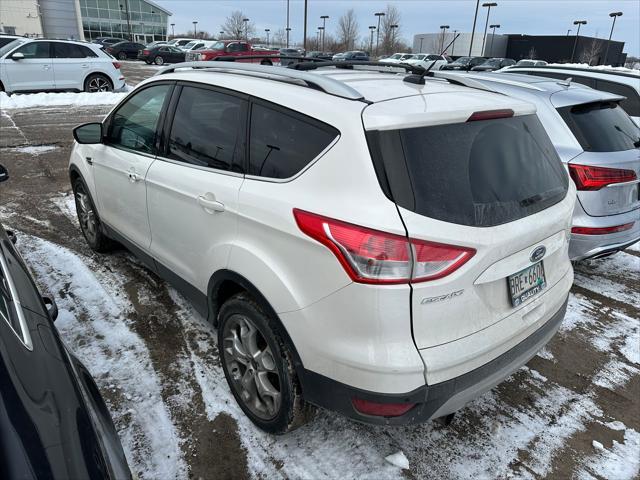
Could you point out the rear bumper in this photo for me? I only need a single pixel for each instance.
(588, 246)
(432, 401)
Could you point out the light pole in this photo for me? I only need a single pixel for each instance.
(393, 35)
(372, 28)
(304, 40)
(267, 30)
(195, 29)
(321, 31)
(324, 24)
(318, 38)
(453, 44)
(379, 15)
(568, 32)
(473, 30)
(221, 34)
(613, 15)
(287, 29)
(484, 38)
(494, 26)
(126, 11)
(246, 29)
(421, 39)
(173, 30)
(579, 23)
(444, 32)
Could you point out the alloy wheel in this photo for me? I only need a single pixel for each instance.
(252, 367)
(159, 60)
(99, 84)
(86, 215)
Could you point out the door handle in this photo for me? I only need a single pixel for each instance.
(133, 176)
(46, 66)
(209, 203)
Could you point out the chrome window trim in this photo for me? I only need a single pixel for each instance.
(24, 336)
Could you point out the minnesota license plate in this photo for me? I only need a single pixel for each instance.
(526, 283)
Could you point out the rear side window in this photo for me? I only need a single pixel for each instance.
(69, 50)
(282, 144)
(208, 129)
(631, 104)
(601, 127)
(480, 173)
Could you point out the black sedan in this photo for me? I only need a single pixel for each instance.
(161, 54)
(107, 41)
(464, 63)
(124, 50)
(493, 64)
(53, 422)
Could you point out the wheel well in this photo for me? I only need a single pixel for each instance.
(100, 74)
(73, 175)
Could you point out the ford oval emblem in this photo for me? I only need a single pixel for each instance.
(538, 253)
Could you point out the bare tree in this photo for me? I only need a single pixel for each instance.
(388, 34)
(592, 52)
(279, 37)
(347, 30)
(533, 54)
(236, 28)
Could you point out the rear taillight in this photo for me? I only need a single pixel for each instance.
(146, 52)
(372, 256)
(116, 65)
(381, 409)
(490, 115)
(587, 177)
(602, 230)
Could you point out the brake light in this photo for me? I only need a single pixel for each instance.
(587, 177)
(601, 230)
(116, 65)
(490, 115)
(375, 257)
(146, 52)
(381, 409)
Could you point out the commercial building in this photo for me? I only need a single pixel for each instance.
(140, 20)
(494, 45)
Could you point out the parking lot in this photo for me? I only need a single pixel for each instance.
(573, 411)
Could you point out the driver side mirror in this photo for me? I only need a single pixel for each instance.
(4, 174)
(17, 56)
(89, 133)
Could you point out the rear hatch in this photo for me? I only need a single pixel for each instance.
(608, 171)
(492, 195)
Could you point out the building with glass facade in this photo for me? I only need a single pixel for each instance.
(139, 20)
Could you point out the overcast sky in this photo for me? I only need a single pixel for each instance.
(551, 17)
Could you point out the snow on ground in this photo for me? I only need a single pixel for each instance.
(81, 99)
(621, 461)
(597, 67)
(34, 149)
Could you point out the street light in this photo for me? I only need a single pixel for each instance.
(453, 44)
(579, 23)
(287, 29)
(267, 30)
(324, 24)
(379, 15)
(393, 35)
(473, 30)
(444, 32)
(173, 30)
(195, 29)
(568, 32)
(372, 28)
(613, 15)
(126, 10)
(318, 38)
(484, 38)
(494, 26)
(246, 29)
(221, 34)
(321, 31)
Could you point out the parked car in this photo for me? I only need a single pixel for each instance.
(28, 65)
(233, 48)
(320, 55)
(398, 58)
(53, 421)
(157, 43)
(354, 296)
(180, 42)
(338, 56)
(353, 55)
(289, 52)
(124, 50)
(5, 39)
(606, 80)
(464, 63)
(525, 62)
(426, 60)
(493, 64)
(161, 54)
(599, 144)
(107, 41)
(197, 45)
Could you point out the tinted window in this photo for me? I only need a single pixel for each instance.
(134, 124)
(282, 144)
(602, 127)
(69, 50)
(631, 104)
(5, 40)
(208, 129)
(480, 173)
(35, 50)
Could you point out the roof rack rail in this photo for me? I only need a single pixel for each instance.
(319, 82)
(349, 64)
(454, 78)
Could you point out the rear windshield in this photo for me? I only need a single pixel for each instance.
(602, 127)
(480, 173)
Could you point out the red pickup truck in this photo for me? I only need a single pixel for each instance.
(232, 48)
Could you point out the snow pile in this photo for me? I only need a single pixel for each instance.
(621, 462)
(597, 67)
(57, 99)
(399, 460)
(35, 149)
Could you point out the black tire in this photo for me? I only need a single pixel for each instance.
(95, 237)
(98, 83)
(158, 60)
(122, 56)
(291, 411)
(266, 62)
(147, 62)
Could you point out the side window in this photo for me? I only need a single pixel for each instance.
(208, 129)
(86, 52)
(243, 47)
(233, 47)
(135, 123)
(282, 144)
(35, 50)
(69, 50)
(631, 104)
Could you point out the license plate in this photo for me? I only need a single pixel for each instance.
(526, 283)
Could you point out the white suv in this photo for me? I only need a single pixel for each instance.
(35, 65)
(358, 247)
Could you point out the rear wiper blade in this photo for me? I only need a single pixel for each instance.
(540, 197)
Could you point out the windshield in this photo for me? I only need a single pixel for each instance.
(418, 57)
(11, 45)
(602, 127)
(406, 57)
(217, 46)
(434, 57)
(189, 45)
(492, 62)
(525, 63)
(396, 56)
(463, 60)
